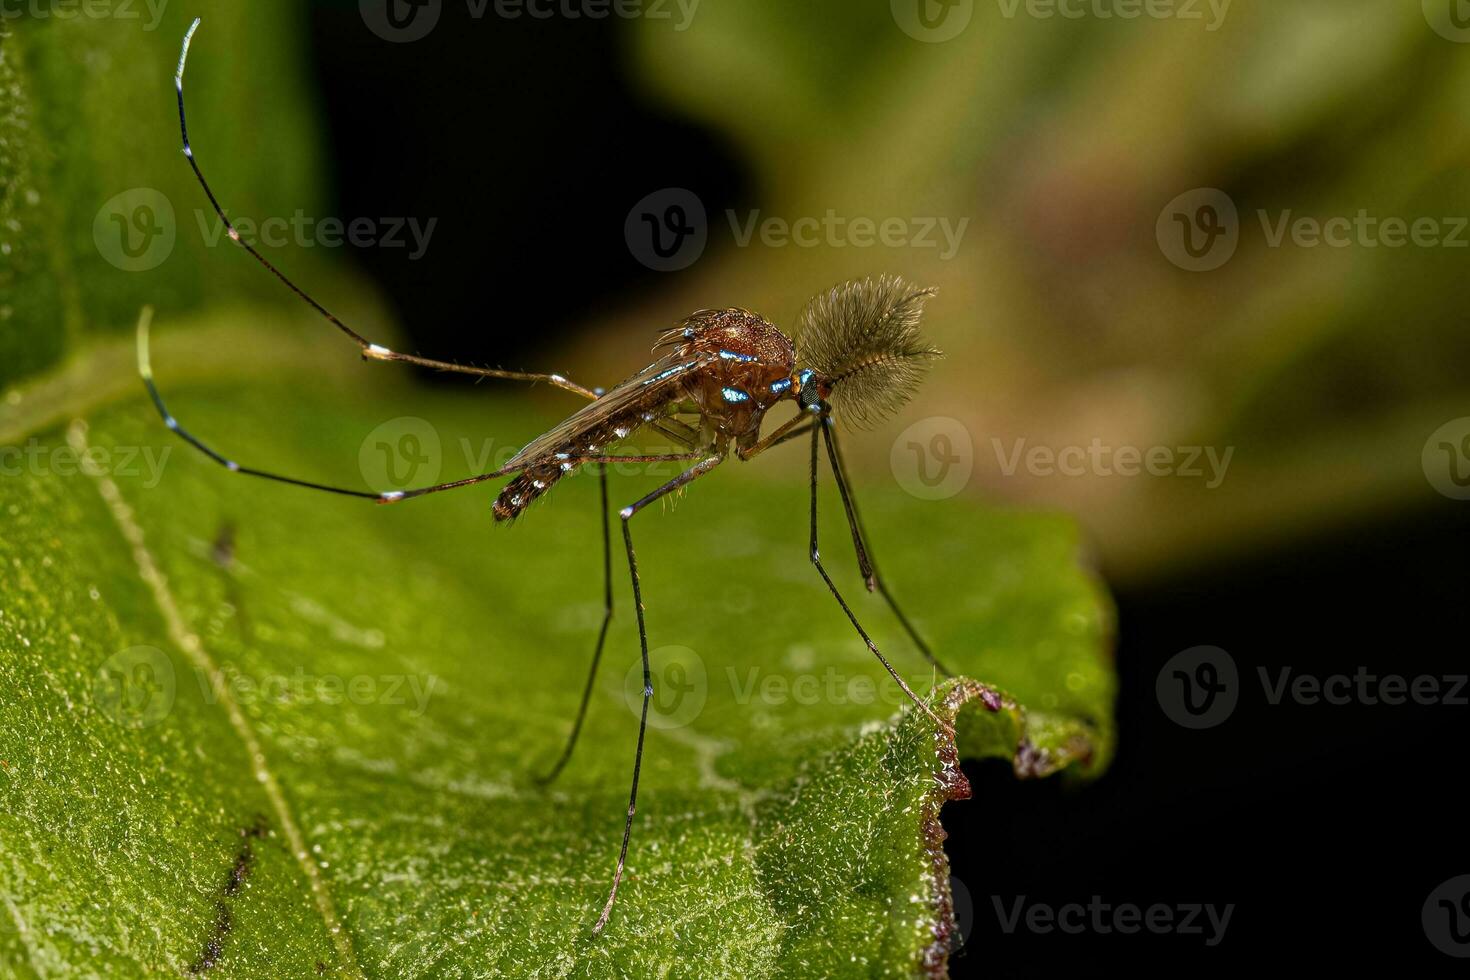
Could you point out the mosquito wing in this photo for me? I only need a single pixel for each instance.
(614, 415)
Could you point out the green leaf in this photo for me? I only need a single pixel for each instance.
(308, 745)
(89, 135)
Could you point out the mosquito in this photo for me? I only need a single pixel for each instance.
(857, 354)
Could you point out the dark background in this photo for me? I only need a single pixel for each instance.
(1315, 821)
(534, 138)
(1325, 826)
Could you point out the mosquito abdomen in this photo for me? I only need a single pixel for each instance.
(520, 492)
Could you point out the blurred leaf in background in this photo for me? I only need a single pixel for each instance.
(99, 212)
(1062, 142)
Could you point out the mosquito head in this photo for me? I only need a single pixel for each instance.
(858, 345)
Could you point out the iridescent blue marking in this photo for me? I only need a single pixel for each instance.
(730, 355)
(734, 395)
(780, 387)
(670, 372)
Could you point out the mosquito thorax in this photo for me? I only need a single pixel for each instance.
(749, 366)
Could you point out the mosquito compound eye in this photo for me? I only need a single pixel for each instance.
(808, 396)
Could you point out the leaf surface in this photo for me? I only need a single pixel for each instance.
(252, 730)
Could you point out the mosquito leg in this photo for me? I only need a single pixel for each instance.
(370, 351)
(680, 432)
(607, 611)
(865, 561)
(145, 370)
(789, 429)
(683, 479)
(817, 561)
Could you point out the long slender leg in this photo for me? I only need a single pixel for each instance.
(683, 434)
(787, 430)
(817, 561)
(370, 351)
(145, 369)
(866, 565)
(607, 611)
(388, 497)
(683, 479)
(397, 495)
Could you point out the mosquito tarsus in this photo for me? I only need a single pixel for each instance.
(857, 354)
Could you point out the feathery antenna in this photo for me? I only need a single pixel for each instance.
(862, 337)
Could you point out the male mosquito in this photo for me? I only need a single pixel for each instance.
(857, 354)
